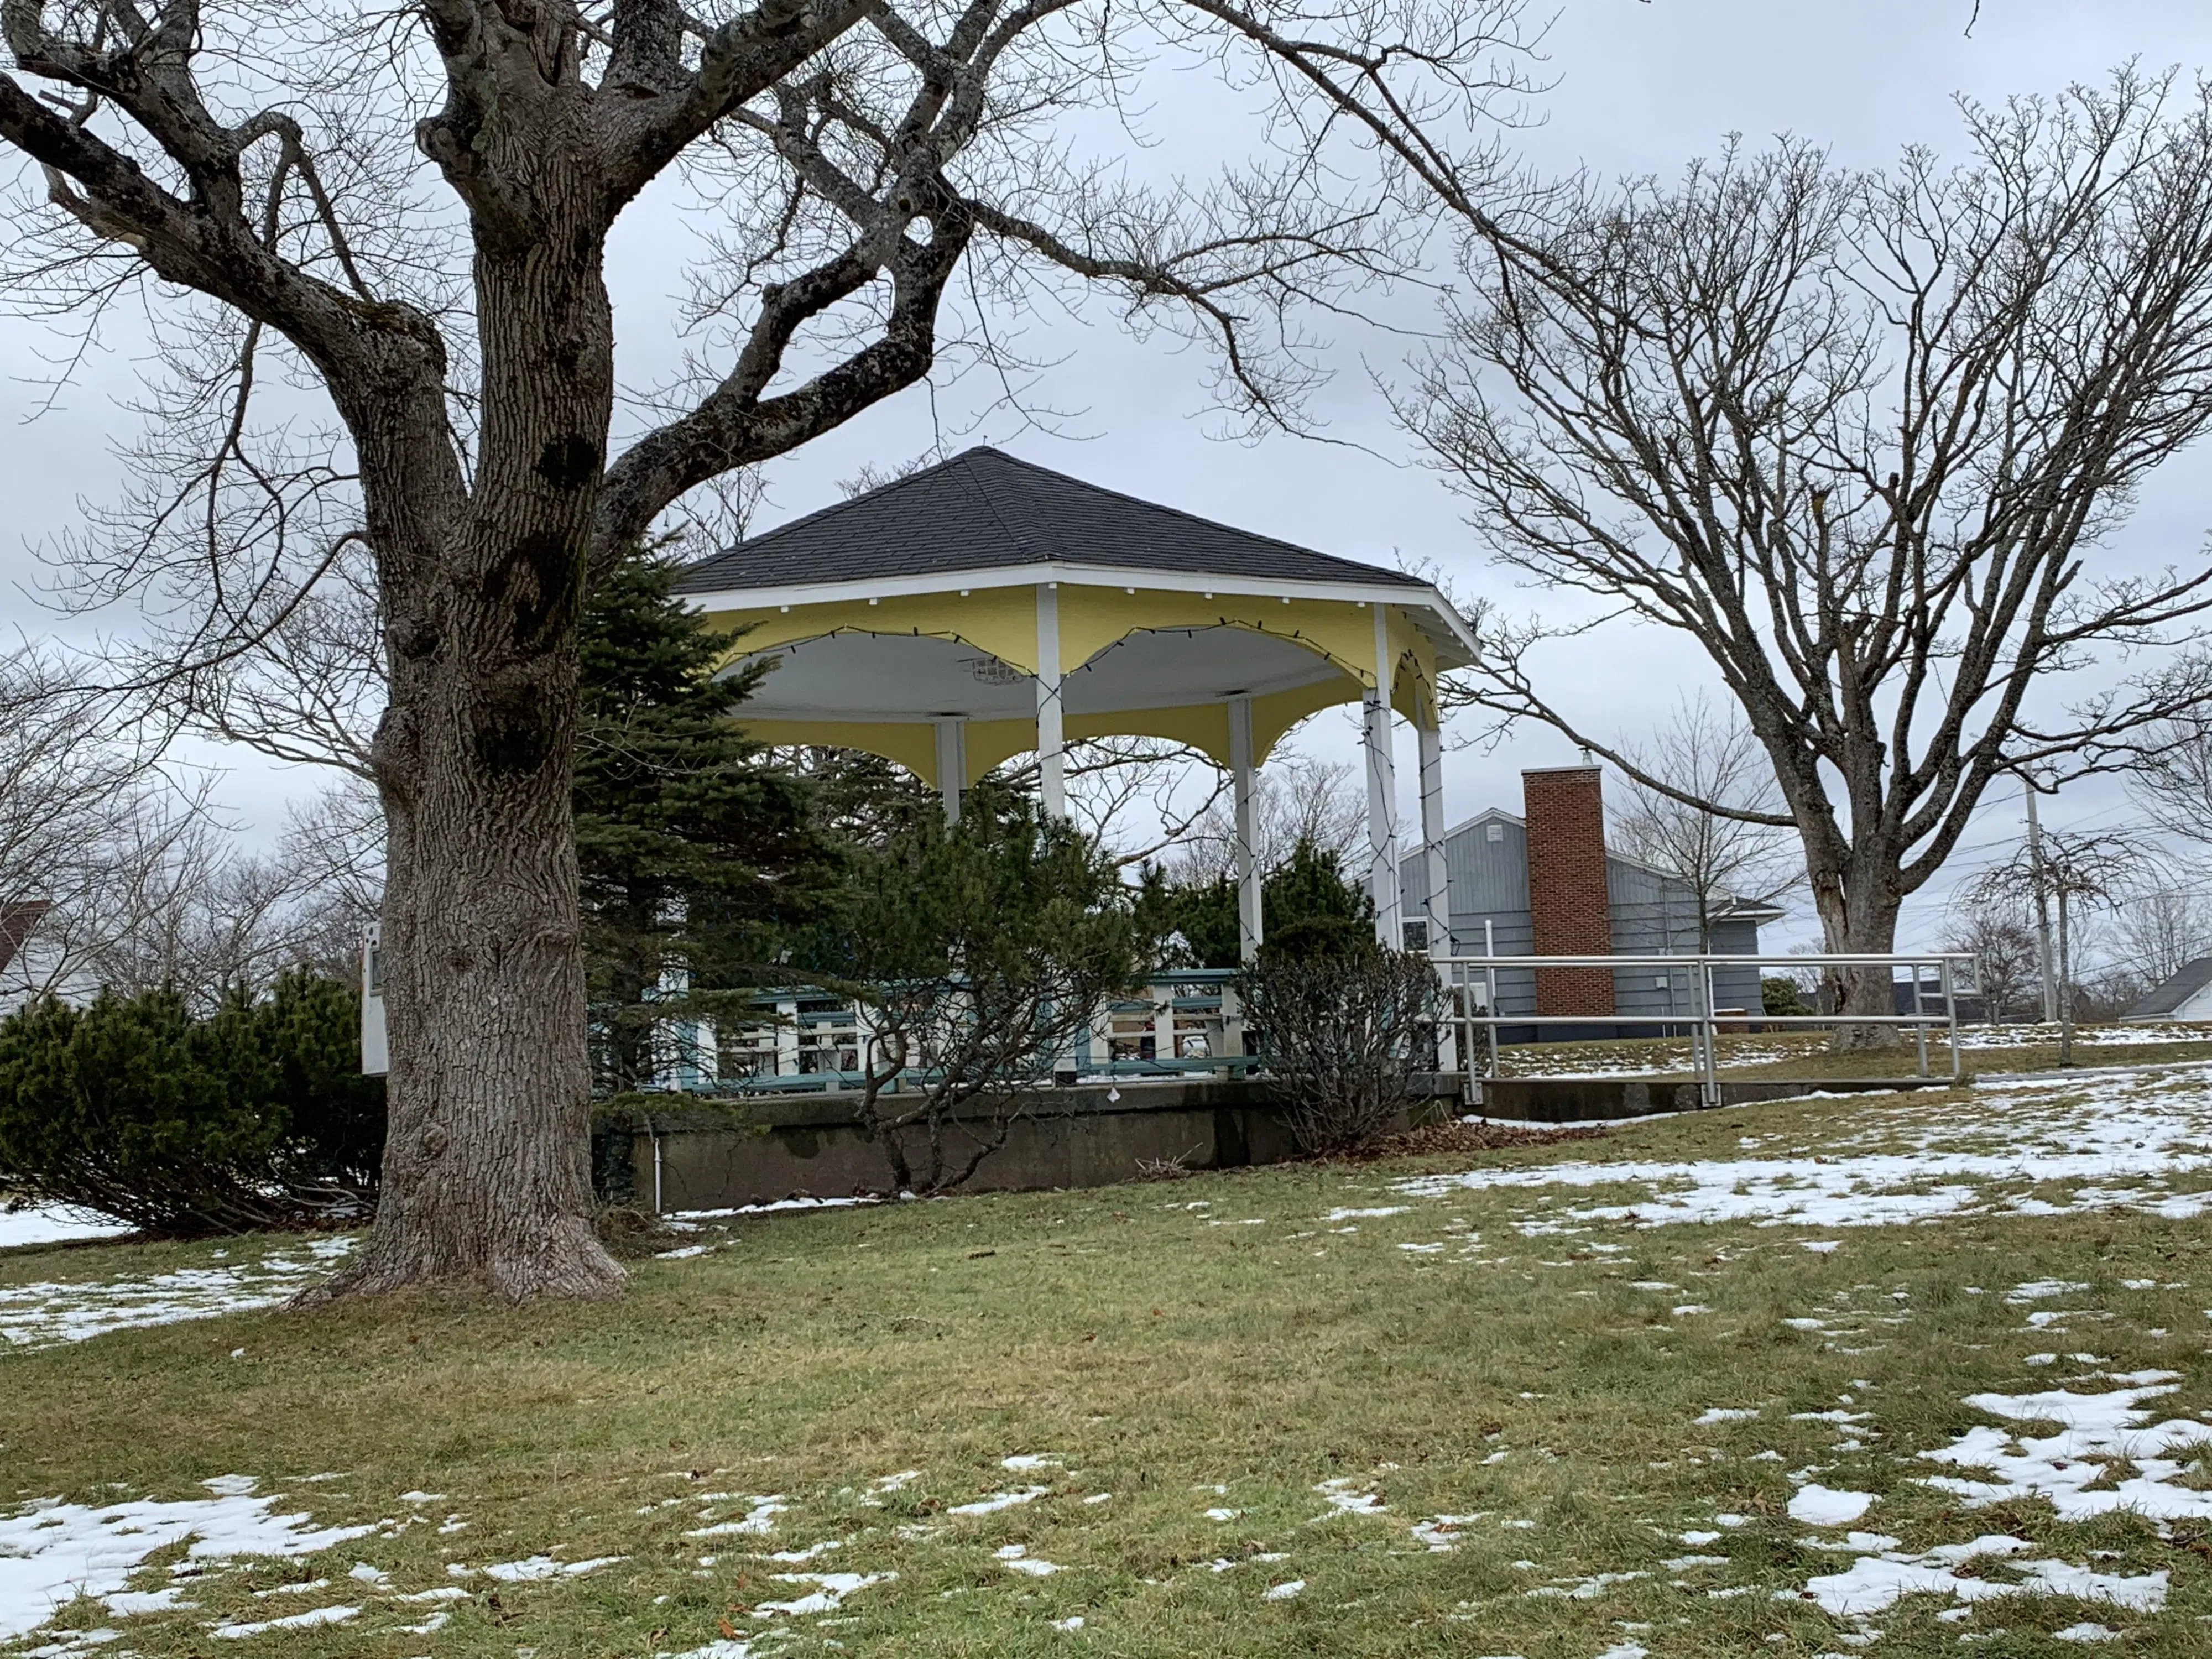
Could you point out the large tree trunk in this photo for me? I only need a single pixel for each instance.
(1858, 909)
(487, 1174)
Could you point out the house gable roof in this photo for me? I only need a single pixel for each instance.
(985, 510)
(2169, 997)
(1726, 908)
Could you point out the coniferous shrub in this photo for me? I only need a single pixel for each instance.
(254, 1116)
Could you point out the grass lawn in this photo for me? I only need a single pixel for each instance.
(1665, 1392)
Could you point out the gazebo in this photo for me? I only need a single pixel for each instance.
(985, 607)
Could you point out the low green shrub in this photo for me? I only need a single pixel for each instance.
(255, 1116)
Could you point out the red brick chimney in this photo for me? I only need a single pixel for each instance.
(1564, 809)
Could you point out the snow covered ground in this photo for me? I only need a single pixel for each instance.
(39, 1315)
(2112, 1139)
(2073, 1431)
(53, 1224)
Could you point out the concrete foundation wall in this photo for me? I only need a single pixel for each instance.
(809, 1145)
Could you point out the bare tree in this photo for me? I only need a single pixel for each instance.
(1723, 856)
(2005, 968)
(2159, 929)
(254, 174)
(2172, 781)
(65, 782)
(2079, 873)
(1858, 437)
(1302, 800)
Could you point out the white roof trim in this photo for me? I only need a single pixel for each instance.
(1439, 620)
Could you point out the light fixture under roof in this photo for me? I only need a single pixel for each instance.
(991, 672)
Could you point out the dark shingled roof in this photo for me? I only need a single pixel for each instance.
(982, 510)
(2165, 998)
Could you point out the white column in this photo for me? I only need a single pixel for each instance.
(1052, 759)
(951, 765)
(1433, 839)
(787, 1040)
(1436, 878)
(1382, 794)
(1250, 928)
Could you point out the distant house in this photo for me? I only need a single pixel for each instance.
(1544, 883)
(2187, 995)
(18, 979)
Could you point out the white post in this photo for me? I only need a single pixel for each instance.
(1436, 877)
(1382, 794)
(2042, 911)
(1433, 839)
(1250, 928)
(787, 1040)
(1052, 759)
(951, 765)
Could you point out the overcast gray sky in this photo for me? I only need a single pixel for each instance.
(1640, 87)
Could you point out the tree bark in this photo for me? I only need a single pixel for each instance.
(487, 1165)
(1858, 917)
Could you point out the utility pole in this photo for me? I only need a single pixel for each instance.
(2041, 882)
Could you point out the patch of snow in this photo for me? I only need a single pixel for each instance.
(1074, 1622)
(1000, 1500)
(53, 1224)
(313, 1617)
(51, 1552)
(1028, 1462)
(1586, 1589)
(2145, 1129)
(1816, 1505)
(688, 1251)
(1346, 1495)
(1441, 1533)
(2087, 1631)
(1282, 1592)
(809, 1551)
(1724, 1415)
(537, 1567)
(2042, 1290)
(2095, 1432)
(46, 1314)
(758, 1519)
(1015, 1557)
(772, 1207)
(830, 1590)
(1874, 1582)
(1360, 1215)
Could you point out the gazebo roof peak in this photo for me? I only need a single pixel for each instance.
(985, 511)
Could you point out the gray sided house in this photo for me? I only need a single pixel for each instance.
(1496, 908)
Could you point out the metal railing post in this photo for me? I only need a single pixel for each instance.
(1920, 1021)
(1951, 1007)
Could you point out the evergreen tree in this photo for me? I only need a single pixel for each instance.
(1307, 908)
(697, 850)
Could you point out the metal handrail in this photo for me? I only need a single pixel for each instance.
(1702, 1019)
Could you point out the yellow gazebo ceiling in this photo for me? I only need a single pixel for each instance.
(920, 603)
